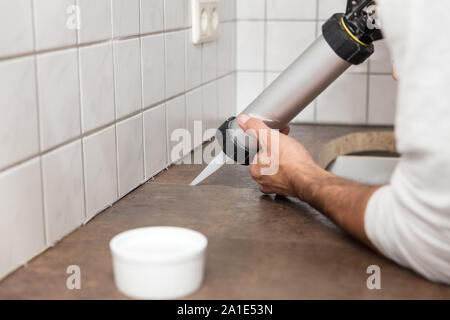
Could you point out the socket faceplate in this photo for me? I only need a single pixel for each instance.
(205, 20)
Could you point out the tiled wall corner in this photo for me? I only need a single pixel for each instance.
(87, 114)
(272, 33)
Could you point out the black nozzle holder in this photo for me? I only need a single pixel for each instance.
(346, 45)
(226, 136)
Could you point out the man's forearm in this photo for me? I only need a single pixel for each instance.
(342, 200)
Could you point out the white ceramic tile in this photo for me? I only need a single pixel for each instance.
(329, 7)
(233, 53)
(59, 103)
(130, 154)
(291, 9)
(194, 113)
(97, 86)
(382, 99)
(250, 45)
(224, 47)
(21, 212)
(193, 62)
(95, 20)
(54, 26)
(174, 14)
(127, 64)
(210, 107)
(176, 119)
(18, 121)
(226, 10)
(100, 170)
(125, 17)
(381, 61)
(250, 9)
(155, 140)
(249, 85)
(337, 105)
(16, 30)
(286, 40)
(226, 97)
(152, 16)
(62, 172)
(188, 14)
(153, 70)
(209, 61)
(175, 60)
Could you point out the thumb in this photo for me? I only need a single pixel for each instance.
(255, 128)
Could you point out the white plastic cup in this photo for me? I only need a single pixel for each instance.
(158, 262)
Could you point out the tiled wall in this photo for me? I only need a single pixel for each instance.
(272, 33)
(86, 116)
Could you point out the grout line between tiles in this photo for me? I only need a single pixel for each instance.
(41, 169)
(80, 99)
(142, 91)
(115, 106)
(165, 88)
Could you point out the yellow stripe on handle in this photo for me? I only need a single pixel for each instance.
(351, 34)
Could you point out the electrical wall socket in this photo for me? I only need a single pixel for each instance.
(205, 20)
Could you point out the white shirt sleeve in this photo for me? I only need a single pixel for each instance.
(409, 220)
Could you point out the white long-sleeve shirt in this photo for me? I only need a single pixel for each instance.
(409, 220)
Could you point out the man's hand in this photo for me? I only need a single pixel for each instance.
(342, 200)
(294, 161)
